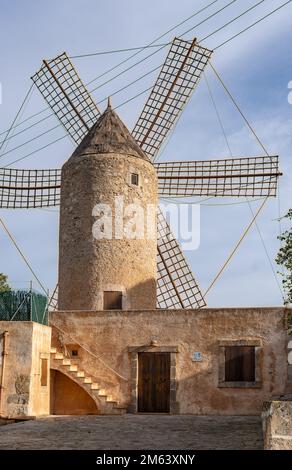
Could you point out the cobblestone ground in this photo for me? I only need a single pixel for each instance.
(134, 432)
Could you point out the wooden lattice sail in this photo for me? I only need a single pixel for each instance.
(60, 85)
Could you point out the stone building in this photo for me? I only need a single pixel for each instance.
(108, 349)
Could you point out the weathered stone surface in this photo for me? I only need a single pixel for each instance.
(281, 443)
(110, 334)
(109, 135)
(22, 384)
(19, 399)
(23, 394)
(277, 425)
(135, 432)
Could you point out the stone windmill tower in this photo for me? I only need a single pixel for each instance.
(107, 169)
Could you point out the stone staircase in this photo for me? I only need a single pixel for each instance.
(105, 403)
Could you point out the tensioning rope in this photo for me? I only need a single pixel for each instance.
(16, 117)
(139, 94)
(230, 95)
(239, 109)
(247, 229)
(217, 47)
(150, 55)
(151, 44)
(23, 256)
(151, 71)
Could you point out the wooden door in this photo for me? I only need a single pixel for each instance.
(154, 382)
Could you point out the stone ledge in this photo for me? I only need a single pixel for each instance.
(150, 348)
(240, 384)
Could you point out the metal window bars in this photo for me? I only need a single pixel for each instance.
(176, 286)
(62, 88)
(21, 189)
(253, 176)
(177, 80)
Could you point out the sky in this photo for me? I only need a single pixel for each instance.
(256, 66)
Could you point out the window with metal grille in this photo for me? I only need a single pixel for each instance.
(135, 179)
(239, 363)
(112, 300)
(44, 372)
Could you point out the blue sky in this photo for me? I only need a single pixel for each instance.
(256, 66)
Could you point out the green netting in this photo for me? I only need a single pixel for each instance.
(23, 305)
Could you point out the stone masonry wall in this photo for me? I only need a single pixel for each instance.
(85, 267)
(22, 394)
(110, 334)
(277, 425)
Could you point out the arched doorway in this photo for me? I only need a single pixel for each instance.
(68, 398)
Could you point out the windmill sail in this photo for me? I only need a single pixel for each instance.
(53, 300)
(252, 176)
(25, 189)
(177, 80)
(63, 90)
(176, 286)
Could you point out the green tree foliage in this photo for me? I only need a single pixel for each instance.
(4, 286)
(284, 259)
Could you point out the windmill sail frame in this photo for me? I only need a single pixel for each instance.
(176, 286)
(246, 176)
(63, 90)
(177, 80)
(27, 189)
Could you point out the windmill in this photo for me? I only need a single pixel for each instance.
(63, 90)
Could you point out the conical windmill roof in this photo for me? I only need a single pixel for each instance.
(109, 135)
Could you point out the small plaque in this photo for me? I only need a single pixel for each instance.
(197, 357)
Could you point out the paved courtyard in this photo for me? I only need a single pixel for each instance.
(134, 432)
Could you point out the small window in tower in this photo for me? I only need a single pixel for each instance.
(240, 364)
(135, 179)
(112, 300)
(74, 352)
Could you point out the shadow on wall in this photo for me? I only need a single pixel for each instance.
(84, 296)
(68, 398)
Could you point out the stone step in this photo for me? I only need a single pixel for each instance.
(59, 356)
(115, 408)
(94, 386)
